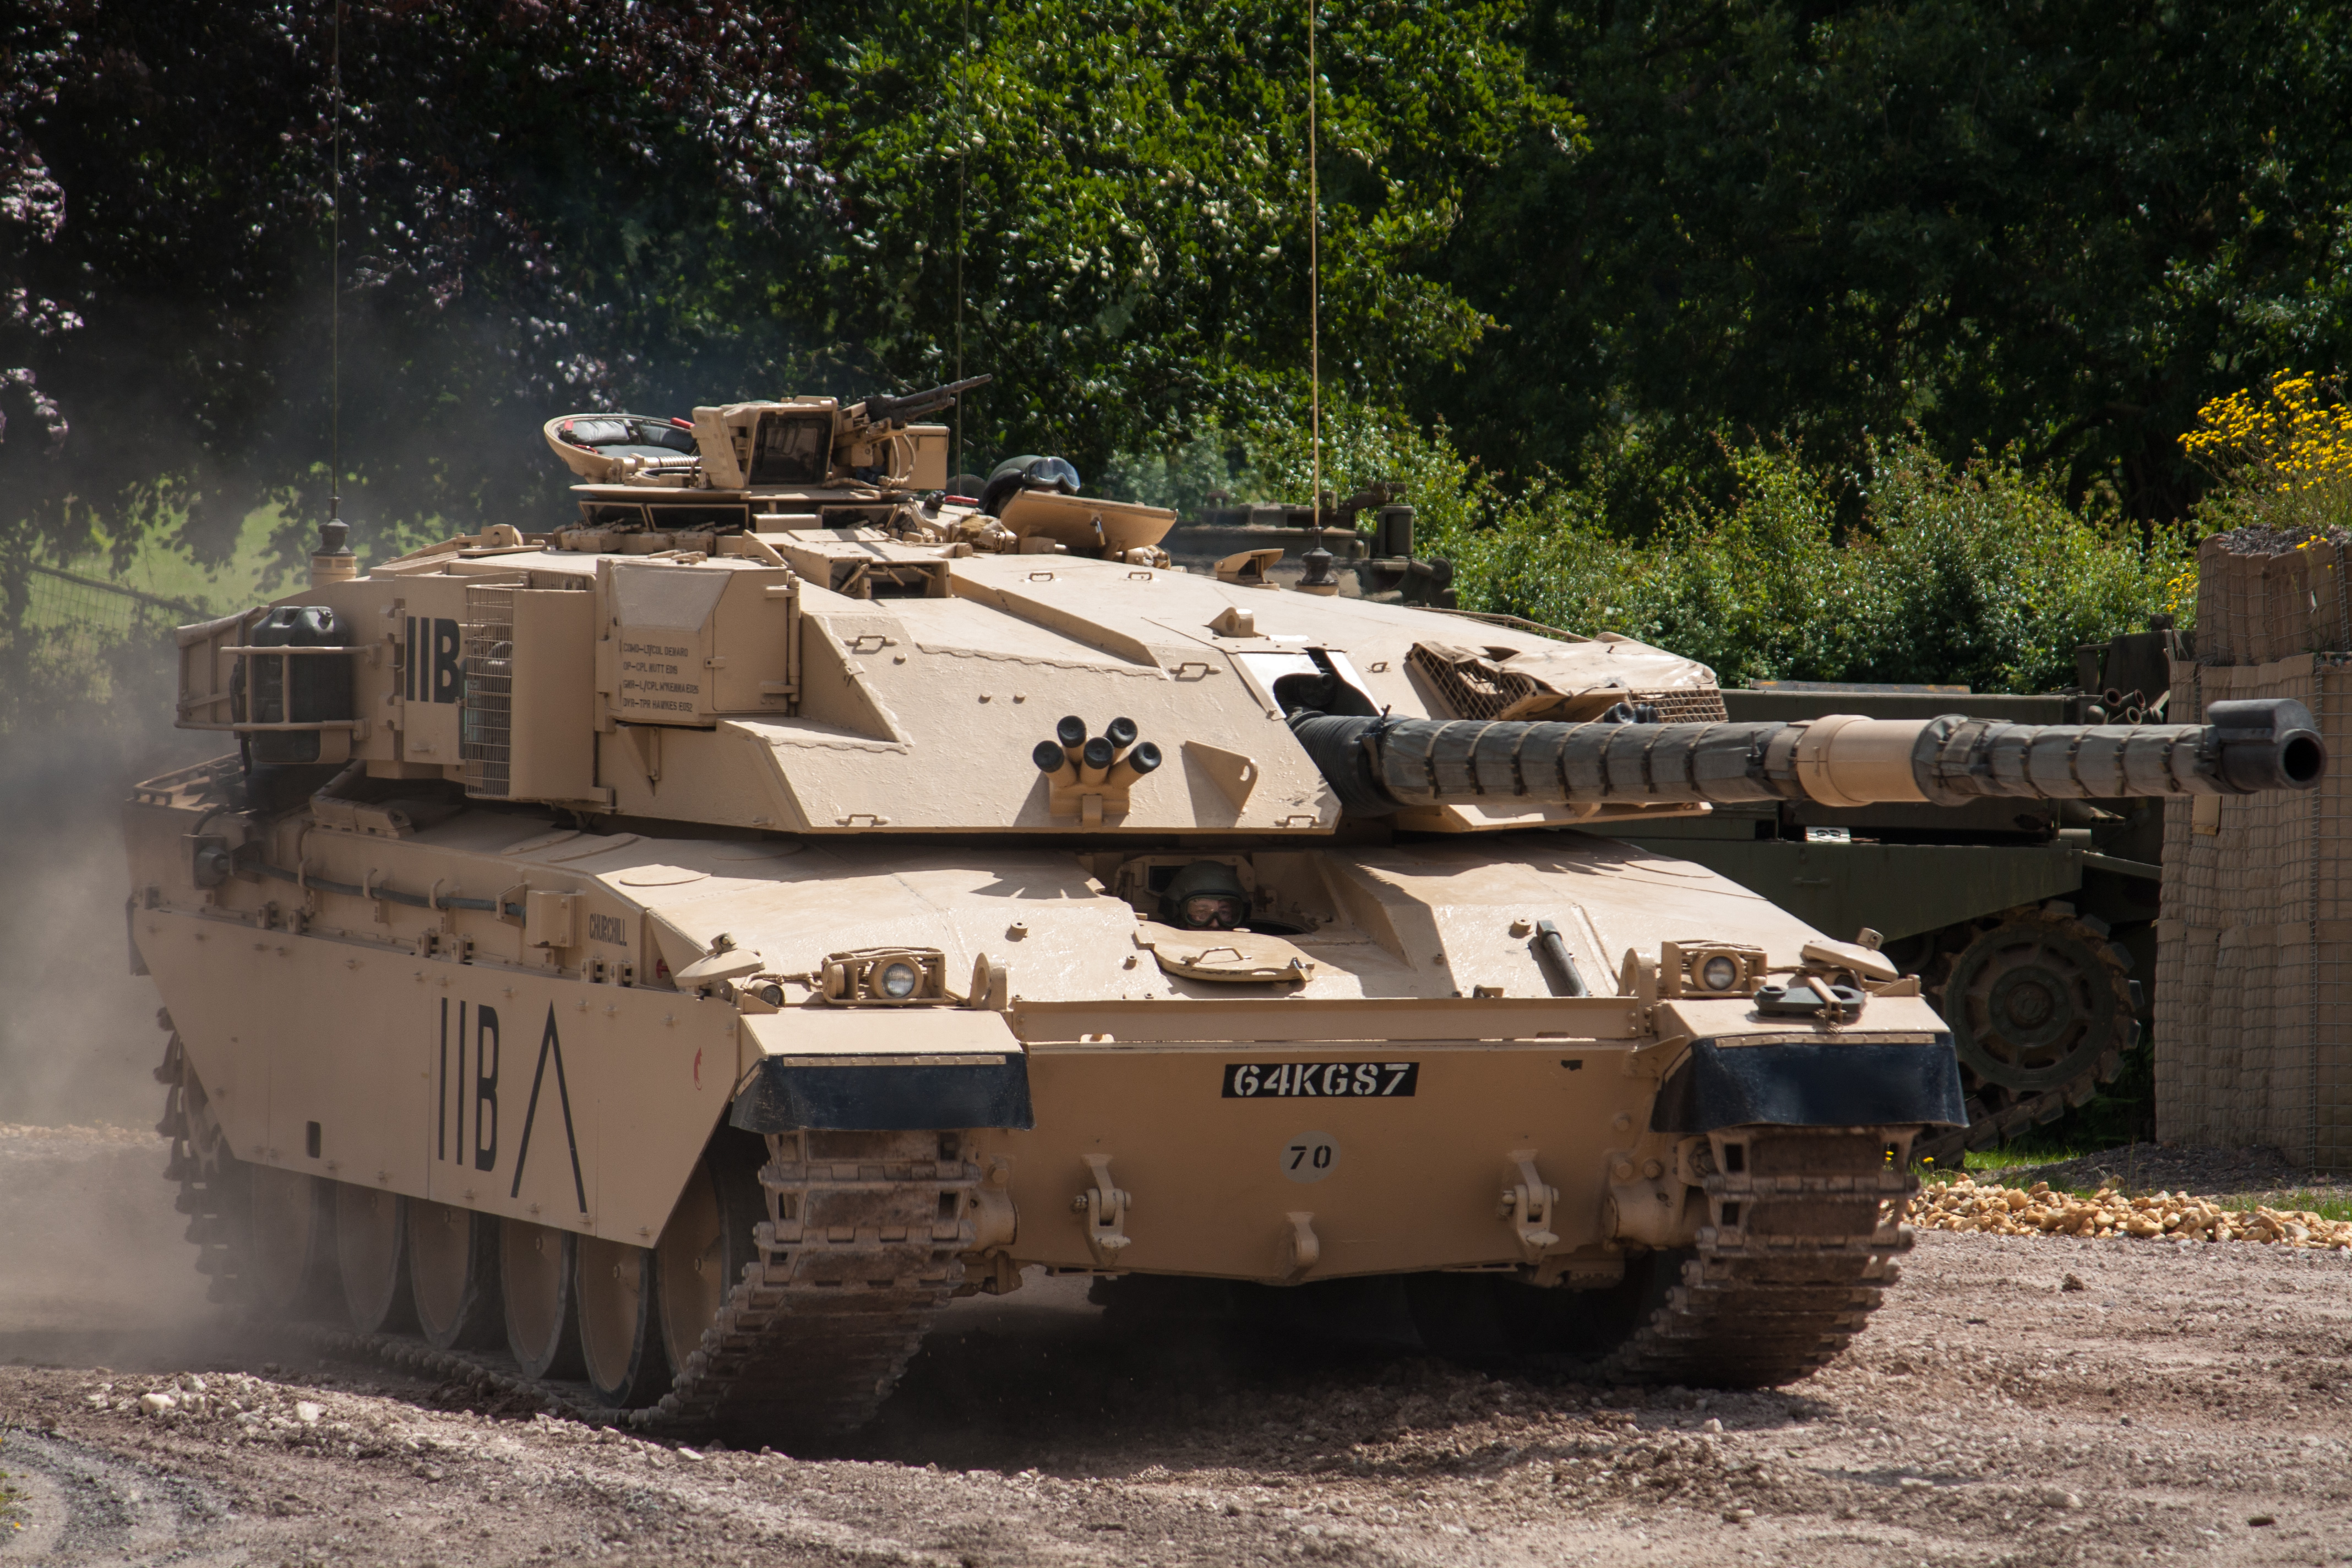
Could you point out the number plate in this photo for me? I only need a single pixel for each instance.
(1321, 1080)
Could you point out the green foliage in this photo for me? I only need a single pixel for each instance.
(1979, 574)
(1584, 241)
(541, 212)
(2062, 223)
(1132, 180)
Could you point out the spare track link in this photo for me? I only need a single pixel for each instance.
(862, 1246)
(1801, 1250)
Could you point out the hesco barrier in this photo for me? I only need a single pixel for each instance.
(2253, 983)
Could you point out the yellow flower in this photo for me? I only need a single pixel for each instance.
(2291, 439)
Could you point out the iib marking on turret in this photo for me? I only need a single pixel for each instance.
(1321, 1080)
(433, 670)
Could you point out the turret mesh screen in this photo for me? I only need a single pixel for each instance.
(486, 738)
(1485, 691)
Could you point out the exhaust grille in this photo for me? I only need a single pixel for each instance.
(486, 732)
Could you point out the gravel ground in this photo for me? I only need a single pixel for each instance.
(2193, 1404)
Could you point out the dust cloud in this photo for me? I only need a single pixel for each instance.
(78, 1034)
(92, 1267)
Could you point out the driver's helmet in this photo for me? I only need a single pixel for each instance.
(1205, 896)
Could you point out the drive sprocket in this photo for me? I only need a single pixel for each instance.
(2042, 1007)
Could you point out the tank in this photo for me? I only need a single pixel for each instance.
(1361, 546)
(2031, 924)
(671, 955)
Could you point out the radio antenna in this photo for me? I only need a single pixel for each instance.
(332, 560)
(963, 148)
(1314, 283)
(335, 284)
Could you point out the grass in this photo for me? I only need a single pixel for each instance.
(1990, 1167)
(1999, 1167)
(2337, 1208)
(251, 573)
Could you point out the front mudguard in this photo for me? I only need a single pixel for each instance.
(1811, 1083)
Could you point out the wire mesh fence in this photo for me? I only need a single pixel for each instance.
(74, 644)
(2253, 1014)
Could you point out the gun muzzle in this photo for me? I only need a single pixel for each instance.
(1380, 766)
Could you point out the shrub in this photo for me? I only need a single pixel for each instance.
(1980, 574)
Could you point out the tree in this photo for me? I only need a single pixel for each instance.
(2063, 222)
(547, 203)
(1131, 178)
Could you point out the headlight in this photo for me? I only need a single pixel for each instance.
(876, 975)
(1720, 973)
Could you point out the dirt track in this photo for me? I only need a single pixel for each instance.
(2195, 1402)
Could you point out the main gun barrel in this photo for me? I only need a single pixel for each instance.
(1379, 765)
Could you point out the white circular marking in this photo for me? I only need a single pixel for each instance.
(1310, 1156)
(659, 876)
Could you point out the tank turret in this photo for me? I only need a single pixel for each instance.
(689, 940)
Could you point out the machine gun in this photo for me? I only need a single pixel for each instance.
(863, 423)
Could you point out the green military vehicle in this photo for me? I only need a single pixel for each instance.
(2029, 923)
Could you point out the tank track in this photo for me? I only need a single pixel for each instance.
(863, 1245)
(1989, 1124)
(1782, 1283)
(201, 1164)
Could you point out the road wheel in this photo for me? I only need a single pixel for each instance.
(537, 1266)
(620, 1333)
(2041, 1005)
(294, 1272)
(453, 1271)
(372, 1246)
(705, 1246)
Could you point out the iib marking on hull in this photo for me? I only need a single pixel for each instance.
(1321, 1080)
(473, 1091)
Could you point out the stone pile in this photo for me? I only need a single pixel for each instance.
(1962, 1205)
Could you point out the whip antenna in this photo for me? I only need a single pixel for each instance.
(1314, 284)
(333, 561)
(963, 150)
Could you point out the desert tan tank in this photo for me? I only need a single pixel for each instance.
(683, 947)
